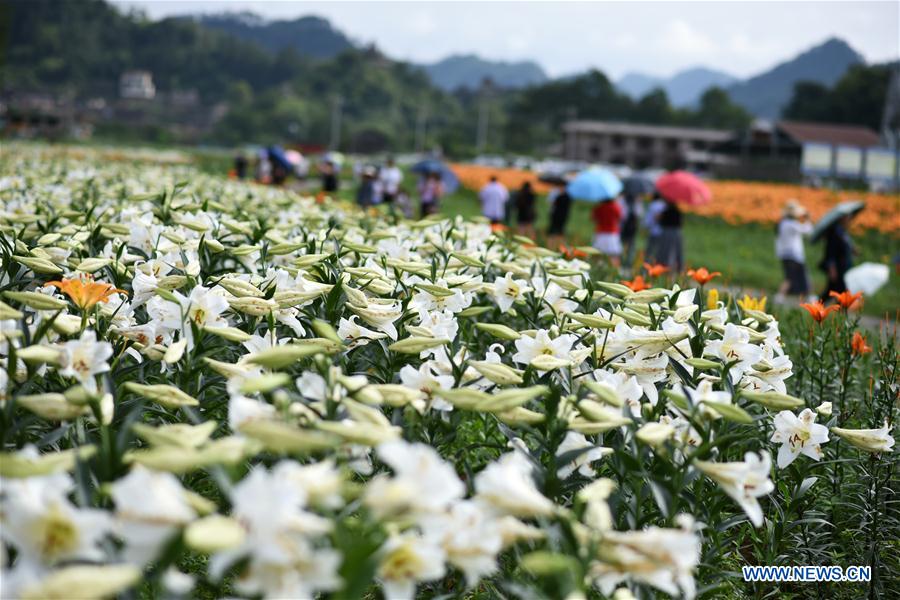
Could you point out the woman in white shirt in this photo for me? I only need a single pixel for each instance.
(791, 229)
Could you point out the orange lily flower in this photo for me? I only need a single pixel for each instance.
(859, 344)
(702, 275)
(818, 310)
(655, 270)
(498, 227)
(571, 251)
(85, 292)
(637, 284)
(846, 299)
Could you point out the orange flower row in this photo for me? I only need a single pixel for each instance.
(735, 202)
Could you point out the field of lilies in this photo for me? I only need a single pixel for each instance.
(217, 389)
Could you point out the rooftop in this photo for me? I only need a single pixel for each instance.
(638, 129)
(828, 133)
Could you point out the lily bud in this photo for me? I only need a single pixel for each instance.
(92, 265)
(52, 407)
(240, 288)
(511, 398)
(870, 440)
(605, 393)
(417, 344)
(171, 282)
(592, 321)
(36, 300)
(497, 372)
(703, 364)
(256, 307)
(283, 438)
(499, 331)
(473, 311)
(179, 435)
(232, 334)
(520, 416)
(354, 432)
(773, 400)
(167, 395)
(8, 312)
(308, 260)
(38, 265)
(599, 413)
(91, 582)
(39, 354)
(175, 351)
(546, 362)
(264, 383)
(16, 465)
(283, 356)
(214, 533)
(394, 394)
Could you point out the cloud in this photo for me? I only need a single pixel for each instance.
(679, 37)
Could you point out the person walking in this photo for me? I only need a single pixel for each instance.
(561, 204)
(430, 191)
(790, 231)
(838, 257)
(607, 216)
(651, 224)
(494, 197)
(632, 210)
(390, 178)
(525, 200)
(365, 193)
(669, 247)
(328, 172)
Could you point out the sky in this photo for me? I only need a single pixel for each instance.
(659, 38)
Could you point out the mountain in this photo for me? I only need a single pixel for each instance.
(683, 89)
(468, 70)
(686, 87)
(766, 94)
(309, 36)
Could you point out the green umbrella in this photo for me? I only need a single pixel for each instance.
(844, 209)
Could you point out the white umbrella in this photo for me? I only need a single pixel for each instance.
(867, 278)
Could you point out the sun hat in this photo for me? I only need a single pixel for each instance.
(793, 209)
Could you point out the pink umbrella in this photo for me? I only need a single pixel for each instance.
(684, 188)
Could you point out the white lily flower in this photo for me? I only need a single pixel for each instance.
(508, 290)
(798, 435)
(84, 358)
(506, 485)
(743, 481)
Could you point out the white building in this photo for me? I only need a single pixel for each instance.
(137, 85)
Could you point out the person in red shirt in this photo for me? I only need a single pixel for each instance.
(607, 217)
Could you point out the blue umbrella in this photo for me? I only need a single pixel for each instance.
(277, 156)
(594, 185)
(432, 165)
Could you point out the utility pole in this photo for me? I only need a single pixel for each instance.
(481, 132)
(421, 127)
(336, 109)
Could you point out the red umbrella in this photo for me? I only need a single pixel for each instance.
(683, 187)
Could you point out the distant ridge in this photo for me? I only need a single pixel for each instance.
(683, 89)
(469, 70)
(766, 94)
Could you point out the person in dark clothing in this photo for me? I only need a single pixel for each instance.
(559, 216)
(838, 258)
(669, 247)
(329, 177)
(633, 210)
(525, 200)
(240, 166)
(365, 194)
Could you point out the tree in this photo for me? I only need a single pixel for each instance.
(811, 101)
(718, 111)
(857, 98)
